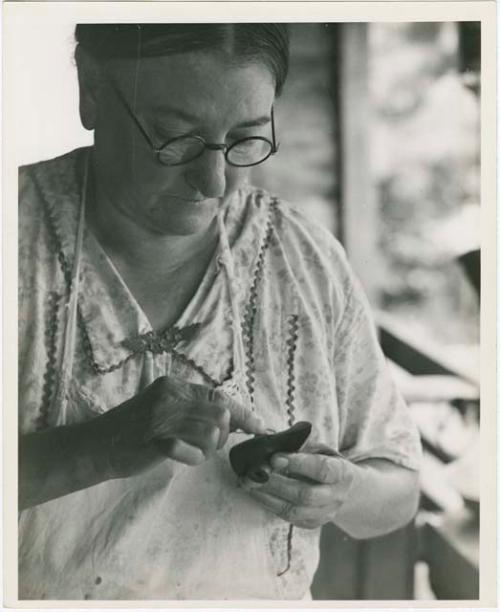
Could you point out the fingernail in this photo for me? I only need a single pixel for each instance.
(248, 485)
(270, 431)
(260, 427)
(279, 462)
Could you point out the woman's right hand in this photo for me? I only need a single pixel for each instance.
(170, 418)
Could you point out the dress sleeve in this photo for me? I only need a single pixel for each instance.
(375, 421)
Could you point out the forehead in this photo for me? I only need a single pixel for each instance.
(206, 85)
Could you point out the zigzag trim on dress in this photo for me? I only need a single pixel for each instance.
(251, 307)
(293, 323)
(49, 376)
(293, 328)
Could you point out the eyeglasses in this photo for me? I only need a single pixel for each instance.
(249, 151)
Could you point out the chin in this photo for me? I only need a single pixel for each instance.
(176, 216)
(183, 225)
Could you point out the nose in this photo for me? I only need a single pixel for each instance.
(207, 174)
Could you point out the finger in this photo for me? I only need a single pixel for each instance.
(178, 450)
(298, 492)
(241, 417)
(285, 510)
(302, 517)
(319, 468)
(166, 424)
(215, 414)
(247, 483)
(224, 421)
(244, 418)
(318, 448)
(200, 433)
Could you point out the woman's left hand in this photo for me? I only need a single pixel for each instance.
(305, 489)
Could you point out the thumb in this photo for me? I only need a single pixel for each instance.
(318, 448)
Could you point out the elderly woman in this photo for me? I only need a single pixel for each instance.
(167, 311)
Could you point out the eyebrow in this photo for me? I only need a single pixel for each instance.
(191, 118)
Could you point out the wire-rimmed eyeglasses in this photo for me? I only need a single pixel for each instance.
(249, 151)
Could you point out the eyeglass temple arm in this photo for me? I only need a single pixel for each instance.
(273, 132)
(133, 116)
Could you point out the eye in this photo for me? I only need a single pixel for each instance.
(165, 133)
(249, 151)
(246, 144)
(249, 133)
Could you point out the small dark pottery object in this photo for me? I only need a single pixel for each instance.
(251, 458)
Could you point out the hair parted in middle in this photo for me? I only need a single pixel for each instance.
(266, 43)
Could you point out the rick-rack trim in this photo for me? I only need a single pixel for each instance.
(293, 330)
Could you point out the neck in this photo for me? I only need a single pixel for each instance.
(136, 246)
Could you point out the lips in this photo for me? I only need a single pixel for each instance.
(192, 201)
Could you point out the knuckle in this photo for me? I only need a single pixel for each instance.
(173, 445)
(288, 512)
(324, 468)
(216, 396)
(211, 431)
(304, 495)
(199, 431)
(158, 387)
(221, 413)
(197, 389)
(347, 473)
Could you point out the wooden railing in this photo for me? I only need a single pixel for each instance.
(448, 523)
(445, 535)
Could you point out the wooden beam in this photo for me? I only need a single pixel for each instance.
(451, 550)
(358, 204)
(416, 355)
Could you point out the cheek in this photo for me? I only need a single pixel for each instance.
(152, 183)
(127, 157)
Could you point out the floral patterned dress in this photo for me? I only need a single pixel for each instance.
(280, 289)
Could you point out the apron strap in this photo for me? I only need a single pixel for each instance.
(71, 311)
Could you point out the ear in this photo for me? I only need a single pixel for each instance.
(89, 82)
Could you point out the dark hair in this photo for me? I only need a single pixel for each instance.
(267, 43)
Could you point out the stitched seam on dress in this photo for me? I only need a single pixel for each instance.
(251, 307)
(49, 376)
(293, 329)
(340, 333)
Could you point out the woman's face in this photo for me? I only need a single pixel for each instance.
(192, 93)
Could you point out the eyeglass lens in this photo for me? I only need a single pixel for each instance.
(246, 152)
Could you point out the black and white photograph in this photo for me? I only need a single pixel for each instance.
(249, 313)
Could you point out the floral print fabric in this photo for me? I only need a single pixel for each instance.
(311, 353)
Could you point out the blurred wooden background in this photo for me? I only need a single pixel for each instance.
(379, 132)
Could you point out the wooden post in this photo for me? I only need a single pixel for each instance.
(358, 205)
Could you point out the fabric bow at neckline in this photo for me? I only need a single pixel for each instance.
(160, 342)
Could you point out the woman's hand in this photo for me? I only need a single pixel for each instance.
(305, 489)
(365, 499)
(175, 419)
(170, 418)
